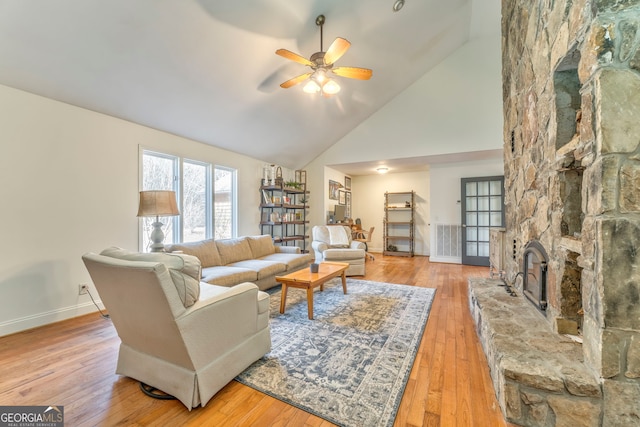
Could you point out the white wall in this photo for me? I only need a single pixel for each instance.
(368, 204)
(71, 186)
(454, 108)
(71, 175)
(445, 194)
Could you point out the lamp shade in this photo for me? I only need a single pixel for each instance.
(158, 203)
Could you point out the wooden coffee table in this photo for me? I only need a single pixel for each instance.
(305, 279)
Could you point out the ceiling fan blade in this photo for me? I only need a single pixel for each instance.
(294, 57)
(294, 81)
(336, 50)
(353, 72)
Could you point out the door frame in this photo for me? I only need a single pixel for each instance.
(477, 260)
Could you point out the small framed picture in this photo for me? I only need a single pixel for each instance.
(277, 200)
(342, 197)
(347, 183)
(334, 186)
(348, 210)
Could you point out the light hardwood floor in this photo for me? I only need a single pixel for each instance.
(72, 363)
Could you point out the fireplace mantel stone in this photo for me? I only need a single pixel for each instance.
(539, 375)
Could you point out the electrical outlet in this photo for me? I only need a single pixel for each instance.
(83, 289)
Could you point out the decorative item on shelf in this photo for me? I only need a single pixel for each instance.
(275, 217)
(272, 176)
(301, 176)
(407, 204)
(265, 198)
(392, 248)
(157, 203)
(304, 200)
(265, 175)
(293, 184)
(279, 181)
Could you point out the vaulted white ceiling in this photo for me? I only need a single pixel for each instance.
(207, 69)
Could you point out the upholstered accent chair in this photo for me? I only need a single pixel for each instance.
(332, 245)
(184, 337)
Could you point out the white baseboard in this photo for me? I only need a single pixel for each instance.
(41, 319)
(448, 260)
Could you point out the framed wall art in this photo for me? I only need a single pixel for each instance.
(342, 197)
(347, 183)
(334, 186)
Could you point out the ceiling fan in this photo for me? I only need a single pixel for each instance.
(322, 63)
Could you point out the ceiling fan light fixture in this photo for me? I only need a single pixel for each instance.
(331, 87)
(311, 87)
(321, 62)
(382, 169)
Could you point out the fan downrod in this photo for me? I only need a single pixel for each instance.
(320, 23)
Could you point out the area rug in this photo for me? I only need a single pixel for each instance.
(350, 364)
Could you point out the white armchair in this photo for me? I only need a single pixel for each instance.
(349, 251)
(178, 335)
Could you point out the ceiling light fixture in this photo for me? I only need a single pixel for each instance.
(398, 5)
(321, 64)
(382, 169)
(319, 82)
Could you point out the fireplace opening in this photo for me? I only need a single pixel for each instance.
(534, 277)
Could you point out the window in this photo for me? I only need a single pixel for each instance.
(159, 172)
(205, 195)
(224, 185)
(196, 206)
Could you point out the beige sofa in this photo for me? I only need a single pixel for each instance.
(179, 335)
(255, 259)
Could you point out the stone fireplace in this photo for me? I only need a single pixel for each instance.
(571, 91)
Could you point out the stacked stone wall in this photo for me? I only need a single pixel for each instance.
(575, 186)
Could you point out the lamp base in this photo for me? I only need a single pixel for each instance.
(156, 237)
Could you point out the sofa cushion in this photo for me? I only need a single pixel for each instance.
(233, 250)
(184, 270)
(228, 276)
(292, 261)
(343, 254)
(261, 245)
(263, 268)
(205, 250)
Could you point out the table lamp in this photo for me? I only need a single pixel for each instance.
(157, 203)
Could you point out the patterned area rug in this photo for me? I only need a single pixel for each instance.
(350, 364)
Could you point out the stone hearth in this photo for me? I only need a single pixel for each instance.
(539, 376)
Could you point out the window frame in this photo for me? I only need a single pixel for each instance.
(178, 187)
